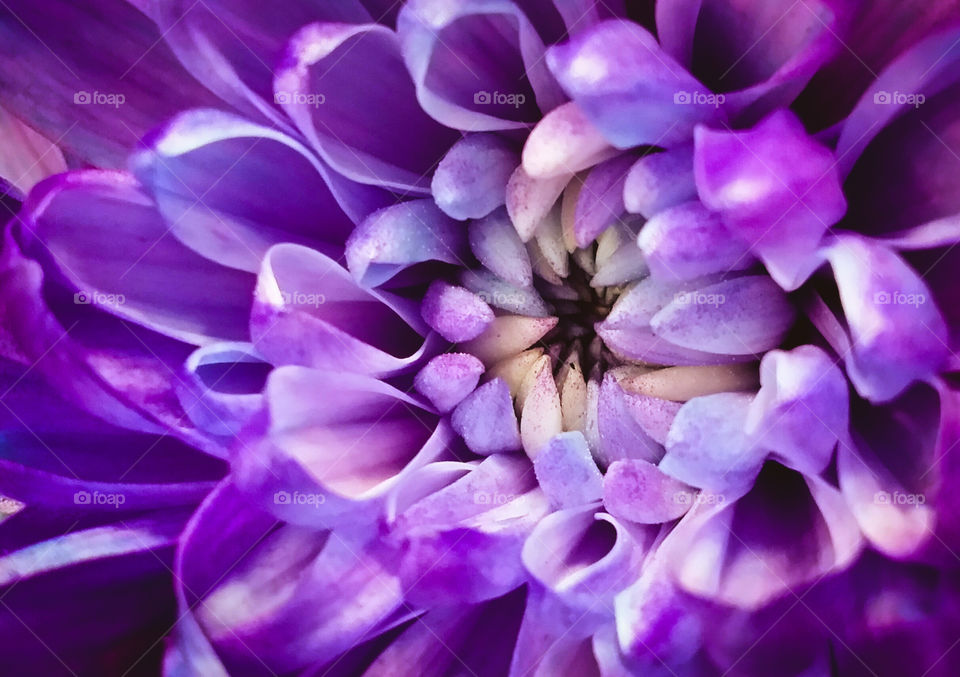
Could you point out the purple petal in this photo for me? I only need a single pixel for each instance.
(477, 66)
(601, 199)
(567, 472)
(471, 180)
(304, 467)
(229, 189)
(638, 491)
(352, 122)
(497, 246)
(310, 311)
(457, 314)
(751, 315)
(627, 86)
(660, 180)
(899, 335)
(447, 379)
(65, 70)
(801, 409)
(397, 237)
(776, 188)
(689, 241)
(463, 543)
(486, 420)
(708, 446)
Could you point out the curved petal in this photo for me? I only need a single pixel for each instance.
(397, 237)
(247, 578)
(478, 66)
(310, 311)
(628, 87)
(106, 237)
(898, 333)
(64, 69)
(85, 597)
(304, 464)
(352, 122)
(584, 557)
(777, 189)
(801, 409)
(233, 47)
(471, 179)
(463, 543)
(229, 189)
(761, 54)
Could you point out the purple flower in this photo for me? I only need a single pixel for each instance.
(499, 337)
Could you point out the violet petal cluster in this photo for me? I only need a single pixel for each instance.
(480, 337)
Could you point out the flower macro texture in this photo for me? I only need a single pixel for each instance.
(521, 338)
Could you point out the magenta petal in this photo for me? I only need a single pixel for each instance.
(486, 419)
(310, 311)
(351, 121)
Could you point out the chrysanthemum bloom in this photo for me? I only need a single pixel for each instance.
(523, 338)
